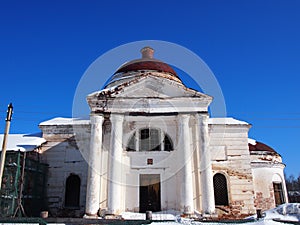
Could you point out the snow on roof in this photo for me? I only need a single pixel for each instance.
(105, 90)
(22, 142)
(227, 121)
(65, 121)
(259, 146)
(251, 141)
(79, 121)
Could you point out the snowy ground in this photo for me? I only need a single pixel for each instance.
(260, 222)
(165, 215)
(178, 220)
(286, 212)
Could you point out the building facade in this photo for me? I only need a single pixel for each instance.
(150, 145)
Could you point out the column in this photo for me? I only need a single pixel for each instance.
(115, 165)
(206, 175)
(187, 180)
(93, 182)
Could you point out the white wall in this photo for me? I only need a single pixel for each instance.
(64, 158)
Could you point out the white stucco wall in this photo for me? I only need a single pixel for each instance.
(231, 157)
(64, 159)
(264, 175)
(229, 151)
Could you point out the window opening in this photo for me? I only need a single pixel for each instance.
(278, 194)
(220, 189)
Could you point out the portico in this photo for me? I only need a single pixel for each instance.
(148, 112)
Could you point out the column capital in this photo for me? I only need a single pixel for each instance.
(201, 120)
(116, 118)
(96, 118)
(201, 116)
(184, 118)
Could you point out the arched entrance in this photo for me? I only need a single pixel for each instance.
(72, 194)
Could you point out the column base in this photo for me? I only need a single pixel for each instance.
(113, 217)
(188, 210)
(91, 216)
(188, 215)
(212, 216)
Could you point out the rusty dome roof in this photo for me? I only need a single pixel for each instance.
(259, 146)
(145, 64)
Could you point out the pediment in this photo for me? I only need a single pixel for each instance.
(149, 94)
(156, 87)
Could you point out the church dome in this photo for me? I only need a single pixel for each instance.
(140, 67)
(260, 147)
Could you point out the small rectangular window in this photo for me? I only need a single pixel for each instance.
(149, 161)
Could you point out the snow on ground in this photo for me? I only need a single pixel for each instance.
(260, 222)
(286, 212)
(164, 215)
(173, 215)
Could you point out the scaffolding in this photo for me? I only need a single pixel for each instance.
(23, 185)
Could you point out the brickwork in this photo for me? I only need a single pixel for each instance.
(264, 203)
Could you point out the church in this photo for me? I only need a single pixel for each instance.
(151, 145)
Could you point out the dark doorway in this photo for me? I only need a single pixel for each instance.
(72, 194)
(150, 193)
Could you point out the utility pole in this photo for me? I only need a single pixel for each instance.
(4, 143)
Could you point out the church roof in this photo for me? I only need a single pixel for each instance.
(23, 142)
(255, 146)
(226, 121)
(146, 63)
(84, 121)
(65, 121)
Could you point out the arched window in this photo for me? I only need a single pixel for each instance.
(278, 189)
(132, 143)
(72, 195)
(168, 146)
(278, 193)
(220, 189)
(149, 139)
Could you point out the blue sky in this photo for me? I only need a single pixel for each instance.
(252, 47)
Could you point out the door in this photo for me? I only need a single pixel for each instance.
(149, 192)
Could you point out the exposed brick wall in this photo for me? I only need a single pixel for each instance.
(234, 211)
(263, 203)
